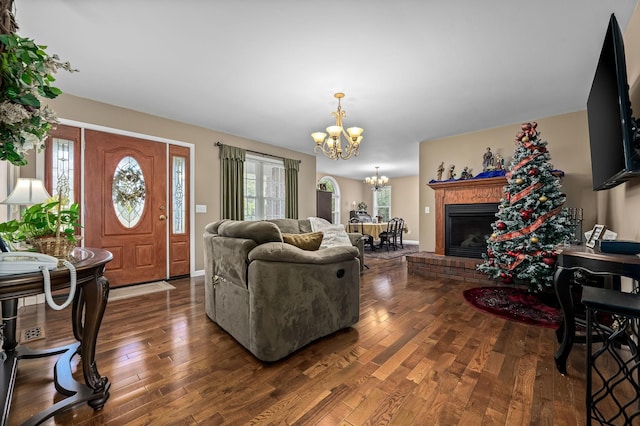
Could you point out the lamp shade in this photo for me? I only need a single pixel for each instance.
(334, 131)
(354, 132)
(318, 137)
(27, 191)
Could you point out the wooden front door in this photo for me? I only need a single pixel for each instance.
(126, 205)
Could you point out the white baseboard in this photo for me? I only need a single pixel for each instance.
(31, 300)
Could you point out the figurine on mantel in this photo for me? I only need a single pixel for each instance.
(487, 160)
(440, 170)
(466, 173)
(451, 174)
(499, 162)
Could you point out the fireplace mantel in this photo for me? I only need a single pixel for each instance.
(469, 191)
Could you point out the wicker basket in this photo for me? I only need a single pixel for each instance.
(56, 247)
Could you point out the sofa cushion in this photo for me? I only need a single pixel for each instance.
(304, 225)
(309, 241)
(287, 253)
(259, 231)
(287, 226)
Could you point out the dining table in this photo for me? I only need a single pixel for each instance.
(370, 228)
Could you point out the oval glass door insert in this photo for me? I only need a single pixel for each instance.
(128, 192)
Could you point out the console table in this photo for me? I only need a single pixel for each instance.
(90, 301)
(592, 261)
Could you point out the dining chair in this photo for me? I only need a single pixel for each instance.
(388, 237)
(356, 226)
(399, 231)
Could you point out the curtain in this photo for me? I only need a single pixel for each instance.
(291, 168)
(232, 169)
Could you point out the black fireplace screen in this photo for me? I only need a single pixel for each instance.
(467, 227)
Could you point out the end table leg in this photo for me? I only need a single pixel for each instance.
(95, 295)
(9, 319)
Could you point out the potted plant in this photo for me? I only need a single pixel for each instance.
(47, 227)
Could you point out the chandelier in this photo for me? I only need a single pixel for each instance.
(332, 145)
(377, 182)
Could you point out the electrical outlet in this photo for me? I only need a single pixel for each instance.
(426, 210)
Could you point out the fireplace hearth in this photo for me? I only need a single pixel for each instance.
(467, 227)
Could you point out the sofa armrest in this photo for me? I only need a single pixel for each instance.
(354, 237)
(358, 242)
(283, 252)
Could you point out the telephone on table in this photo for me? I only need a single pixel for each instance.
(12, 263)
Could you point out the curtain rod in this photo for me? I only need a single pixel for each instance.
(257, 152)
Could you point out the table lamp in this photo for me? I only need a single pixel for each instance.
(26, 192)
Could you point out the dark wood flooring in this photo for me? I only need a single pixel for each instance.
(420, 355)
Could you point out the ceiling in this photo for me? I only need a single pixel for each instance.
(267, 70)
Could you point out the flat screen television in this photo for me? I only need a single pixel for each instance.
(615, 156)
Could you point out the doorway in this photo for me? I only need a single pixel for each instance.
(135, 203)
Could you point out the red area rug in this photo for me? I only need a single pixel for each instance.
(515, 304)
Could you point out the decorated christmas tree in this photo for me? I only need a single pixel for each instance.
(530, 220)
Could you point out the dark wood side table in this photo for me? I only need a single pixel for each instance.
(593, 261)
(90, 301)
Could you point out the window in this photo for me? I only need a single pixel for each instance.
(178, 185)
(333, 187)
(128, 192)
(382, 203)
(263, 188)
(62, 168)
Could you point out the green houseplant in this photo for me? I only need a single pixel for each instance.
(48, 227)
(26, 75)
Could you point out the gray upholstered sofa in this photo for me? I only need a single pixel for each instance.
(274, 297)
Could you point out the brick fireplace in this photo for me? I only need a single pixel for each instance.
(437, 264)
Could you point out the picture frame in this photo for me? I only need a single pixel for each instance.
(596, 233)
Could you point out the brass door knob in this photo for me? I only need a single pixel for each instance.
(163, 217)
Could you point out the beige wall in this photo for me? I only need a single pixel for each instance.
(618, 207)
(568, 145)
(405, 204)
(207, 165)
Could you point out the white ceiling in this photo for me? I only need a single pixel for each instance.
(267, 70)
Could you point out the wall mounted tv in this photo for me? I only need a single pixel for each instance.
(615, 154)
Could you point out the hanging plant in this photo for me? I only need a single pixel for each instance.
(26, 77)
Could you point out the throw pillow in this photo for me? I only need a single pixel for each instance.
(310, 241)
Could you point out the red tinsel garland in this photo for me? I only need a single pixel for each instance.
(520, 195)
(528, 229)
(519, 259)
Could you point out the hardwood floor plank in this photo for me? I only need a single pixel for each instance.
(419, 355)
